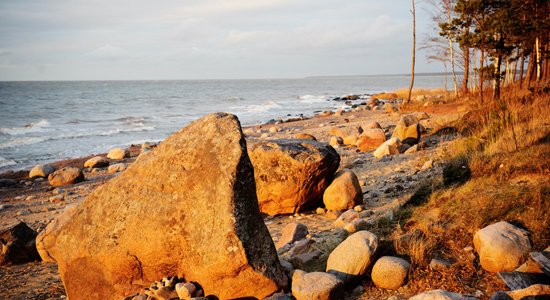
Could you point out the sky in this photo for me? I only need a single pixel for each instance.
(207, 39)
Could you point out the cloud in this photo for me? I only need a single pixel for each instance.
(108, 52)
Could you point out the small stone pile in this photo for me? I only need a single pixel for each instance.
(169, 288)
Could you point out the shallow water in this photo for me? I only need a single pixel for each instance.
(46, 121)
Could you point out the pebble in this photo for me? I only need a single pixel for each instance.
(320, 211)
(57, 191)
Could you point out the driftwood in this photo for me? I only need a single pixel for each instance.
(521, 280)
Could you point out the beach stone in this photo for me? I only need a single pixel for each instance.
(371, 139)
(440, 295)
(119, 167)
(407, 130)
(353, 256)
(390, 272)
(279, 296)
(346, 217)
(346, 131)
(291, 175)
(390, 108)
(336, 141)
(41, 171)
(439, 264)
(185, 290)
(96, 162)
(117, 154)
(535, 291)
(188, 209)
(17, 243)
(388, 148)
(291, 233)
(501, 246)
(356, 225)
(371, 125)
(343, 192)
(66, 176)
(305, 136)
(316, 286)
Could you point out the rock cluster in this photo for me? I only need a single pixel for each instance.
(168, 288)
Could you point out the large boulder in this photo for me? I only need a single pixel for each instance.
(353, 256)
(187, 209)
(66, 176)
(291, 175)
(501, 246)
(316, 286)
(390, 272)
(343, 192)
(17, 243)
(41, 171)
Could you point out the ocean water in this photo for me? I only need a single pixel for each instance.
(48, 121)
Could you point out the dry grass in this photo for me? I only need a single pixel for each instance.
(499, 172)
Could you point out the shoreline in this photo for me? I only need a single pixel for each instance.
(387, 184)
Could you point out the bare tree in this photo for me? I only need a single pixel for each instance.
(413, 54)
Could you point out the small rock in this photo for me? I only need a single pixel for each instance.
(320, 211)
(185, 290)
(389, 147)
(305, 136)
(17, 243)
(336, 141)
(427, 165)
(344, 192)
(292, 232)
(501, 246)
(96, 162)
(316, 285)
(114, 168)
(353, 256)
(390, 272)
(57, 191)
(358, 208)
(57, 198)
(346, 217)
(66, 176)
(439, 264)
(41, 171)
(117, 154)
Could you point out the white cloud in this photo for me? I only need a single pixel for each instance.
(109, 53)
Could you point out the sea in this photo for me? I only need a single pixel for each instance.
(47, 121)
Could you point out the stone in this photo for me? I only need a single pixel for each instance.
(346, 131)
(291, 175)
(41, 171)
(279, 296)
(343, 192)
(390, 108)
(114, 168)
(185, 290)
(96, 162)
(7, 182)
(413, 149)
(501, 246)
(535, 291)
(66, 176)
(336, 141)
(407, 134)
(439, 264)
(353, 256)
(346, 217)
(356, 225)
(390, 272)
(17, 243)
(350, 140)
(320, 211)
(427, 165)
(188, 209)
(305, 136)
(316, 286)
(371, 125)
(117, 154)
(371, 139)
(291, 233)
(441, 295)
(409, 119)
(388, 148)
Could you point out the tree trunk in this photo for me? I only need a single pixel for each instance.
(481, 59)
(413, 54)
(476, 71)
(452, 55)
(530, 68)
(515, 66)
(465, 78)
(496, 90)
(521, 66)
(537, 49)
